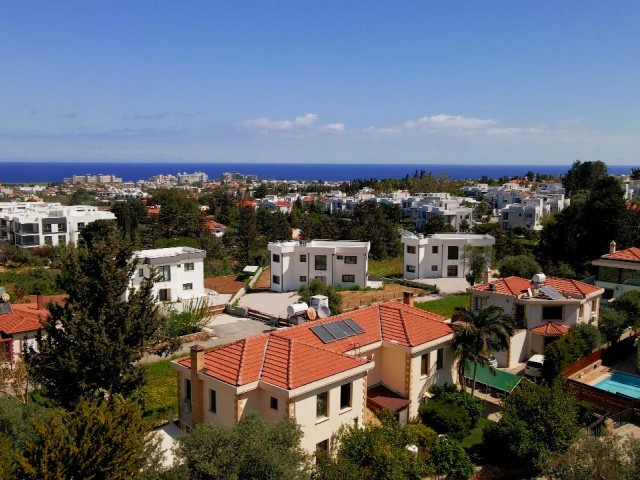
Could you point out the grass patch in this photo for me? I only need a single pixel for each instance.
(389, 267)
(161, 390)
(475, 436)
(445, 306)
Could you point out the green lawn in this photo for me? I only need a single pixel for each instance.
(445, 306)
(161, 390)
(475, 436)
(388, 267)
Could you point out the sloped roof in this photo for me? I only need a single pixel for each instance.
(23, 318)
(514, 286)
(628, 254)
(295, 356)
(550, 329)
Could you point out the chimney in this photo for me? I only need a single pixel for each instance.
(612, 247)
(407, 298)
(197, 400)
(39, 302)
(486, 275)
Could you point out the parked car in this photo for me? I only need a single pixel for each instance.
(533, 367)
(493, 362)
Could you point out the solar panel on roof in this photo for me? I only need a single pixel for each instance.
(343, 326)
(336, 331)
(551, 292)
(323, 334)
(350, 322)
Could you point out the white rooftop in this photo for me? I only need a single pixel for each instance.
(166, 252)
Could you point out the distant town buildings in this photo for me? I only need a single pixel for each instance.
(89, 179)
(191, 178)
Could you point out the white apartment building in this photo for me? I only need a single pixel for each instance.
(34, 224)
(527, 214)
(296, 263)
(180, 272)
(189, 178)
(439, 255)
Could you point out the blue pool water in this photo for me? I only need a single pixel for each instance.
(621, 383)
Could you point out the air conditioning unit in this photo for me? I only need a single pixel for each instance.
(186, 406)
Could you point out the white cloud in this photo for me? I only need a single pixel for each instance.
(516, 131)
(334, 127)
(265, 123)
(449, 121)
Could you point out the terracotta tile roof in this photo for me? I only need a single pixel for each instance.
(295, 356)
(283, 204)
(23, 318)
(551, 329)
(629, 254)
(514, 286)
(212, 224)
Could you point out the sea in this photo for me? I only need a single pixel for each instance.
(50, 172)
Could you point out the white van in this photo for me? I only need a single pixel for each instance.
(533, 368)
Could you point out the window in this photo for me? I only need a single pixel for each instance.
(189, 266)
(46, 228)
(273, 403)
(345, 396)
(440, 359)
(348, 278)
(321, 262)
(62, 239)
(581, 312)
(411, 249)
(187, 286)
(303, 258)
(552, 313)
(187, 389)
(424, 364)
(303, 278)
(276, 279)
(520, 322)
(276, 258)
(164, 271)
(48, 240)
(434, 268)
(322, 404)
(323, 446)
(62, 227)
(411, 268)
(434, 249)
(212, 401)
(479, 303)
(452, 271)
(80, 225)
(351, 259)
(164, 294)
(322, 279)
(594, 306)
(141, 272)
(452, 253)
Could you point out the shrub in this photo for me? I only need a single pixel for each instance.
(450, 394)
(580, 341)
(449, 459)
(190, 320)
(446, 418)
(421, 435)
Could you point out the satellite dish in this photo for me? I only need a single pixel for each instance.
(324, 312)
(5, 297)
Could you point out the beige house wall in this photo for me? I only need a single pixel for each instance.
(317, 430)
(393, 369)
(420, 383)
(374, 377)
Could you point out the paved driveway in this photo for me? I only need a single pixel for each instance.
(271, 303)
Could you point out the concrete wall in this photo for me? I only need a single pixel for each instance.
(421, 383)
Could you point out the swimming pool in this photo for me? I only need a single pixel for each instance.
(621, 383)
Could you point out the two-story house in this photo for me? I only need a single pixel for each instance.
(440, 255)
(333, 262)
(323, 374)
(19, 326)
(618, 271)
(544, 308)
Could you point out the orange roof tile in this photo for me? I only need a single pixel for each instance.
(551, 329)
(514, 286)
(23, 318)
(295, 356)
(629, 254)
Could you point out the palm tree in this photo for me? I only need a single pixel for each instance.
(477, 335)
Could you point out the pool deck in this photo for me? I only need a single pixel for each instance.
(601, 372)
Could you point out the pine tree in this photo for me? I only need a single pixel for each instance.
(93, 341)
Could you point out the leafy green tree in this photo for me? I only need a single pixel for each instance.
(524, 266)
(99, 439)
(279, 228)
(437, 224)
(94, 340)
(612, 324)
(536, 421)
(448, 459)
(246, 237)
(583, 176)
(375, 452)
(316, 287)
(629, 304)
(477, 260)
(578, 342)
(370, 223)
(479, 334)
(180, 214)
(252, 449)
(597, 458)
(130, 214)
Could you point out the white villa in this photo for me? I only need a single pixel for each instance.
(439, 255)
(339, 262)
(618, 271)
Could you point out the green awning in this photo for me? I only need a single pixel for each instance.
(503, 381)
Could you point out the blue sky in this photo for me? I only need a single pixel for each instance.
(542, 82)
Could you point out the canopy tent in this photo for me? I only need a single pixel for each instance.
(502, 381)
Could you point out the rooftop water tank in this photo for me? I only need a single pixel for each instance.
(296, 309)
(539, 279)
(318, 301)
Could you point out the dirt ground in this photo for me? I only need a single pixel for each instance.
(391, 291)
(228, 284)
